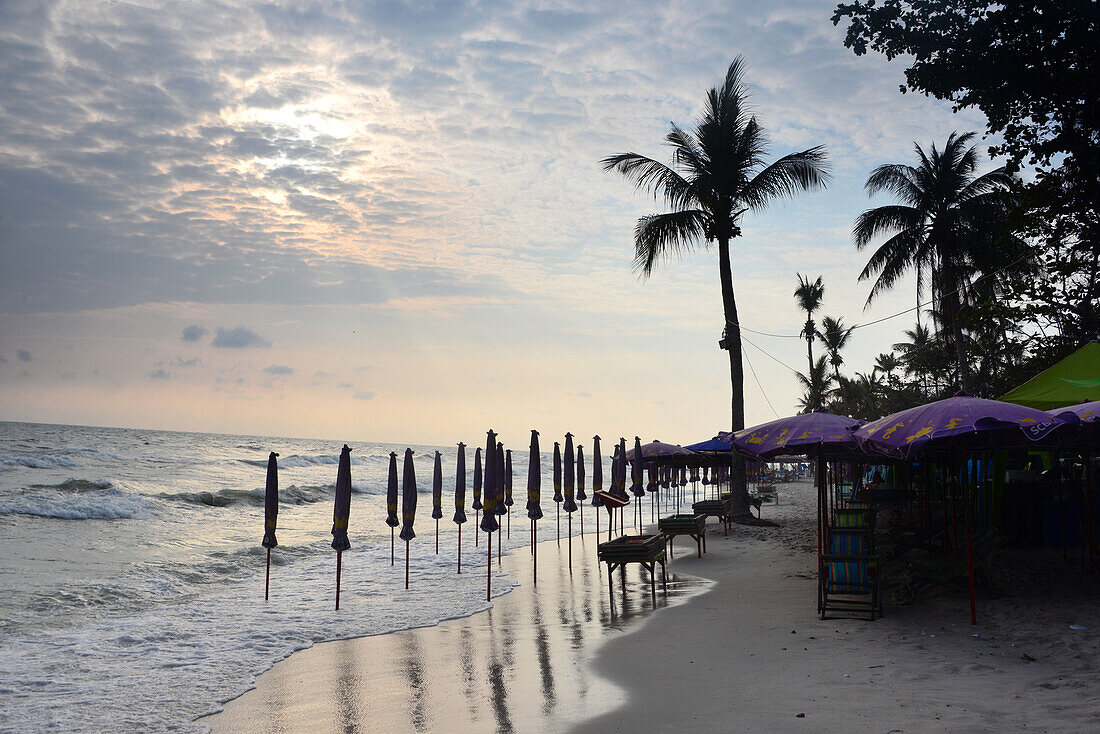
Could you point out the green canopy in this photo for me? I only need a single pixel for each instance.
(1069, 382)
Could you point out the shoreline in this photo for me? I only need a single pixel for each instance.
(739, 643)
(535, 643)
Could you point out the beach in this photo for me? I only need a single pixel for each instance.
(736, 645)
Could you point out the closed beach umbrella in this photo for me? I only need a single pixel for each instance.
(581, 494)
(534, 498)
(597, 480)
(391, 501)
(408, 507)
(271, 514)
(489, 519)
(477, 492)
(637, 473)
(500, 470)
(340, 512)
(460, 497)
(508, 476)
(437, 496)
(557, 483)
(569, 483)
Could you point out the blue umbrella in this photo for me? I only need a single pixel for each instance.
(271, 514)
(340, 512)
(408, 507)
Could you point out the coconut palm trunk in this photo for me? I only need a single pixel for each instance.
(737, 374)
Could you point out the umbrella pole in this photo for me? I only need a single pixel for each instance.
(534, 553)
(509, 522)
(489, 567)
(437, 536)
(597, 525)
(338, 561)
(559, 522)
(406, 564)
(570, 542)
(477, 524)
(267, 580)
(500, 551)
(460, 548)
(391, 546)
(582, 520)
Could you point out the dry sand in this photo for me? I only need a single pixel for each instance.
(745, 652)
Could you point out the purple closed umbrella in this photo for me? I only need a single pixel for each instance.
(570, 504)
(597, 480)
(340, 513)
(477, 492)
(508, 477)
(637, 473)
(534, 499)
(489, 519)
(501, 471)
(391, 502)
(581, 494)
(271, 515)
(437, 496)
(460, 497)
(408, 507)
(557, 483)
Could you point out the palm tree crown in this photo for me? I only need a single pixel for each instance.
(717, 173)
(946, 223)
(809, 297)
(834, 335)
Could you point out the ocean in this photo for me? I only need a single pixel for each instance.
(132, 575)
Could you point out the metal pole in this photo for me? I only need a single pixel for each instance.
(406, 564)
(338, 555)
(267, 581)
(489, 567)
(437, 536)
(570, 542)
(460, 547)
(391, 547)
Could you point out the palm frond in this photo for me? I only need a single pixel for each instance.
(785, 177)
(646, 173)
(660, 235)
(880, 220)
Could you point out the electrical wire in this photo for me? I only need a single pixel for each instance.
(753, 371)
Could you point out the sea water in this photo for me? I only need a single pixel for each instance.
(132, 576)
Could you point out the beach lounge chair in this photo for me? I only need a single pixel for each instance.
(849, 583)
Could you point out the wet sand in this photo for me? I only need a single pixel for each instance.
(524, 665)
(749, 654)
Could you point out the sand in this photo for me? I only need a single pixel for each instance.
(742, 651)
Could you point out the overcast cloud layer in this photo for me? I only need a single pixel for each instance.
(217, 215)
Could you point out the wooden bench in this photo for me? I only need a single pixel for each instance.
(721, 508)
(694, 526)
(647, 550)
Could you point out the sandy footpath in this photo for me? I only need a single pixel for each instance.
(744, 651)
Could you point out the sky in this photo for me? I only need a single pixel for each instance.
(387, 220)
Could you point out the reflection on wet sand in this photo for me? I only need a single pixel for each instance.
(520, 666)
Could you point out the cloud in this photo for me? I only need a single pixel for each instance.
(345, 386)
(3, 360)
(278, 369)
(24, 356)
(364, 395)
(159, 375)
(239, 338)
(193, 333)
(181, 362)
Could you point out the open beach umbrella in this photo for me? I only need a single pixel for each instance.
(508, 477)
(489, 519)
(341, 510)
(534, 495)
(271, 514)
(807, 433)
(569, 484)
(961, 421)
(437, 496)
(1084, 433)
(408, 507)
(477, 492)
(460, 497)
(557, 483)
(391, 502)
(581, 494)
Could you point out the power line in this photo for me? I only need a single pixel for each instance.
(753, 371)
(895, 315)
(766, 354)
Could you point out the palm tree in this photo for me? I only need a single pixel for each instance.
(886, 364)
(835, 337)
(947, 224)
(815, 386)
(718, 172)
(809, 297)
